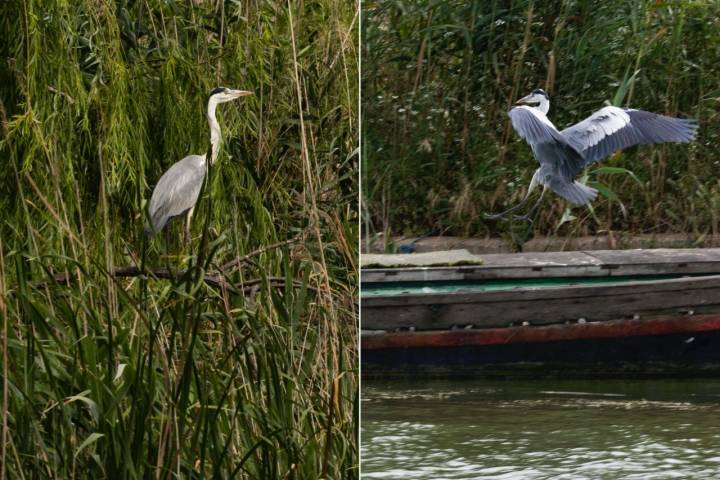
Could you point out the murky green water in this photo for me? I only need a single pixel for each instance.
(651, 429)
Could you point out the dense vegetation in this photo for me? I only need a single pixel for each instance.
(439, 77)
(127, 357)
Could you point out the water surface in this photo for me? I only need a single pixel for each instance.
(438, 429)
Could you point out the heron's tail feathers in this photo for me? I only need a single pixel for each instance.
(152, 227)
(149, 230)
(155, 224)
(575, 192)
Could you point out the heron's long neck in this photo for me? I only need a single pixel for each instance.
(544, 105)
(215, 137)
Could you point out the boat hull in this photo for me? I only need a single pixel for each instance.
(587, 313)
(680, 345)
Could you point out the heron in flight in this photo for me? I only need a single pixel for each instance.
(177, 190)
(563, 154)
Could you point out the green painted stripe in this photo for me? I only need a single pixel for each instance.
(418, 288)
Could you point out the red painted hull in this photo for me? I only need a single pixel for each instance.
(550, 333)
(662, 346)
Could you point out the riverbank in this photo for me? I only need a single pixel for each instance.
(610, 241)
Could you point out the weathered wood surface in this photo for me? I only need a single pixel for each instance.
(541, 306)
(448, 257)
(598, 263)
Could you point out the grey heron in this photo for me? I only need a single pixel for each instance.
(178, 188)
(563, 154)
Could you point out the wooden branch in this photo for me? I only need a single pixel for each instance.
(237, 261)
(214, 279)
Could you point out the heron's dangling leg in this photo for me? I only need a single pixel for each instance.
(188, 219)
(533, 184)
(532, 210)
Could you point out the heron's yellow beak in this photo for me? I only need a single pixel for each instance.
(240, 93)
(525, 100)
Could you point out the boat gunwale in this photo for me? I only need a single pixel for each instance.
(589, 263)
(545, 292)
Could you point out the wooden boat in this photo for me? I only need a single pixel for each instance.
(572, 313)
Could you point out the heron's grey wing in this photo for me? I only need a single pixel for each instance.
(549, 146)
(533, 128)
(613, 128)
(176, 191)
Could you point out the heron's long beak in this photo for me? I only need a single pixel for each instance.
(240, 93)
(525, 100)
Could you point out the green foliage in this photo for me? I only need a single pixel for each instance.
(439, 77)
(213, 372)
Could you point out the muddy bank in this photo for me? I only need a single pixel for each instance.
(619, 241)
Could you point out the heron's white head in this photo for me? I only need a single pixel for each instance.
(223, 94)
(217, 96)
(538, 99)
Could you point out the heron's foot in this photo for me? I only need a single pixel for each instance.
(495, 216)
(505, 213)
(524, 218)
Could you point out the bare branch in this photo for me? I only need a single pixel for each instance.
(237, 261)
(214, 279)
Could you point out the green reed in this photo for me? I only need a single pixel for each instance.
(188, 366)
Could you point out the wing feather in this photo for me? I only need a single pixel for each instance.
(613, 128)
(532, 127)
(177, 191)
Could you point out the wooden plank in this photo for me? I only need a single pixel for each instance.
(497, 266)
(658, 255)
(659, 261)
(562, 264)
(580, 291)
(541, 306)
(398, 260)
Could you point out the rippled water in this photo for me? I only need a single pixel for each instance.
(651, 429)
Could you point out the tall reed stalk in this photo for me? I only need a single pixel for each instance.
(128, 357)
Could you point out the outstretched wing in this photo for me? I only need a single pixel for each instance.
(613, 128)
(533, 127)
(549, 146)
(176, 191)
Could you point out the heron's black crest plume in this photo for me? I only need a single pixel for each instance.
(213, 92)
(540, 91)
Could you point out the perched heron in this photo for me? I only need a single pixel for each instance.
(177, 190)
(563, 154)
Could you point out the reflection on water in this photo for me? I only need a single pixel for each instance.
(650, 429)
